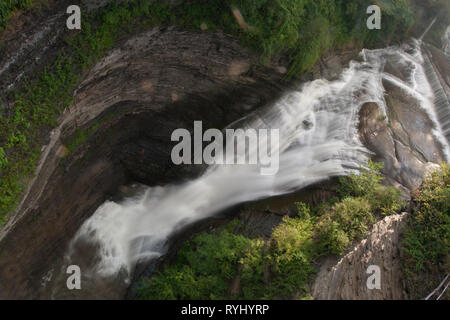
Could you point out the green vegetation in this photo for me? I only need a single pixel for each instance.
(8, 7)
(362, 198)
(300, 30)
(426, 240)
(382, 199)
(349, 219)
(204, 265)
(226, 265)
(208, 265)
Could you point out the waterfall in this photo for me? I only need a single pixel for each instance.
(446, 41)
(441, 102)
(319, 139)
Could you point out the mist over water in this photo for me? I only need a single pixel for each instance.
(318, 140)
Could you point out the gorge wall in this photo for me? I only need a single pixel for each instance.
(117, 130)
(137, 96)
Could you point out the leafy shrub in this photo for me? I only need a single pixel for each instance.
(348, 220)
(205, 266)
(360, 185)
(383, 199)
(354, 215)
(181, 283)
(303, 210)
(293, 249)
(426, 240)
(361, 197)
(301, 30)
(334, 238)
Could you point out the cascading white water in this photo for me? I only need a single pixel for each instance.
(318, 139)
(446, 41)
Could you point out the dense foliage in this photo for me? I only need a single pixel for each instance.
(8, 7)
(382, 199)
(426, 241)
(224, 264)
(301, 30)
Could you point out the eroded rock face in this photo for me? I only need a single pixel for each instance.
(129, 104)
(404, 165)
(403, 136)
(347, 277)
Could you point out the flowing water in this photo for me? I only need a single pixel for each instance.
(319, 139)
(446, 41)
(441, 103)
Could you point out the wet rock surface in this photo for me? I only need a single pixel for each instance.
(404, 165)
